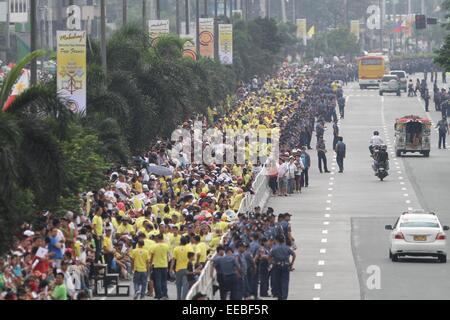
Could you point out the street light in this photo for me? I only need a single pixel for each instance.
(33, 40)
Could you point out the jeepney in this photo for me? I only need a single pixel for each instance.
(412, 134)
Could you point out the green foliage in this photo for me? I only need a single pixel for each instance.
(338, 42)
(85, 162)
(442, 57)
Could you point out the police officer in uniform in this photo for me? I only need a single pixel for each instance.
(230, 274)
(280, 258)
(262, 263)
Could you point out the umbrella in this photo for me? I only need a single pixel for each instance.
(159, 170)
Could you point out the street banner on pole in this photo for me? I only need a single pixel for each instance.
(156, 28)
(354, 28)
(189, 48)
(71, 69)
(226, 43)
(301, 30)
(207, 37)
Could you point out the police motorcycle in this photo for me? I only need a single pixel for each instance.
(381, 162)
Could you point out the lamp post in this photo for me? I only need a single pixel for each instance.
(103, 35)
(124, 12)
(33, 40)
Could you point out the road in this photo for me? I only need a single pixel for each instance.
(339, 221)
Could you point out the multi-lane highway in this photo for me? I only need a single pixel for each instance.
(339, 221)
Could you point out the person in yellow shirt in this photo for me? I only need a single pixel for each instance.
(179, 265)
(236, 200)
(97, 227)
(215, 241)
(201, 250)
(140, 264)
(125, 228)
(138, 185)
(160, 262)
(108, 248)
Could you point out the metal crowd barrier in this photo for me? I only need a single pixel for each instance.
(208, 278)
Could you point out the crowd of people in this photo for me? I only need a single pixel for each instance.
(415, 65)
(163, 218)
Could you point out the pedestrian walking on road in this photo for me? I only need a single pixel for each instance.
(306, 160)
(426, 97)
(321, 155)
(320, 130)
(341, 103)
(140, 259)
(282, 266)
(443, 131)
(335, 134)
(341, 150)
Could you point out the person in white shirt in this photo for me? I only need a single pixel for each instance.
(291, 171)
(375, 141)
(282, 178)
(122, 188)
(298, 174)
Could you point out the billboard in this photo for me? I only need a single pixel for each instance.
(354, 28)
(156, 28)
(206, 33)
(301, 30)
(71, 69)
(226, 43)
(189, 48)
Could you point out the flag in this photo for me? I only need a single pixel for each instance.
(21, 85)
(311, 32)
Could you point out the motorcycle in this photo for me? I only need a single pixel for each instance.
(381, 171)
(381, 168)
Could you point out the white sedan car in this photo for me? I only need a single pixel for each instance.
(418, 235)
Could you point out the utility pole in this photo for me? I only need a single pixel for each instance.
(246, 9)
(144, 15)
(382, 11)
(8, 20)
(124, 12)
(158, 10)
(283, 11)
(103, 36)
(423, 8)
(347, 18)
(205, 7)
(33, 40)
(267, 9)
(188, 20)
(231, 9)
(216, 30)
(197, 23)
(225, 8)
(294, 11)
(177, 12)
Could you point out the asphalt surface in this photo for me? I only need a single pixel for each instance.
(339, 221)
